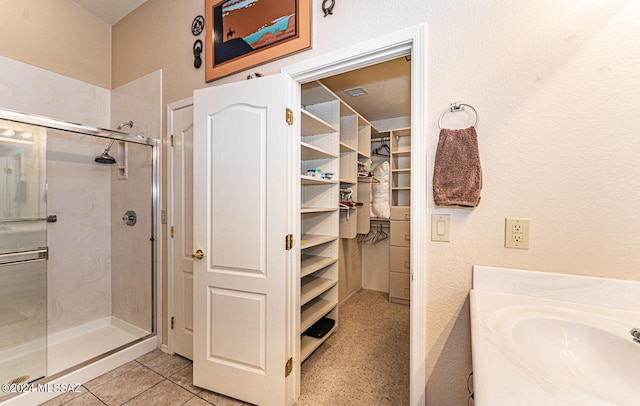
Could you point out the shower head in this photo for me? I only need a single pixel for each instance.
(105, 158)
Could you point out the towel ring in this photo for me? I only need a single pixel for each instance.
(455, 107)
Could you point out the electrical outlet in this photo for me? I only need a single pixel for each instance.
(516, 233)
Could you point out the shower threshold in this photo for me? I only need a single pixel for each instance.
(79, 354)
(74, 346)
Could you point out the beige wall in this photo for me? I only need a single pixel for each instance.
(349, 268)
(555, 83)
(57, 35)
(155, 36)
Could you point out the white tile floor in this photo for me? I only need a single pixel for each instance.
(366, 362)
(153, 379)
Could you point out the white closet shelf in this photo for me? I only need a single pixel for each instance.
(346, 110)
(347, 148)
(313, 240)
(312, 263)
(319, 215)
(308, 151)
(402, 150)
(311, 287)
(304, 210)
(310, 180)
(364, 154)
(309, 344)
(314, 311)
(349, 180)
(313, 125)
(315, 93)
(399, 235)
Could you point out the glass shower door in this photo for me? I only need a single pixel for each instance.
(23, 253)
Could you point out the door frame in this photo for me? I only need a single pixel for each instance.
(410, 41)
(170, 219)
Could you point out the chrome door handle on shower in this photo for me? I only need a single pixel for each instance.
(198, 255)
(10, 258)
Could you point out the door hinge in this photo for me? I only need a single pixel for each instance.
(288, 242)
(173, 319)
(172, 232)
(289, 116)
(172, 141)
(288, 367)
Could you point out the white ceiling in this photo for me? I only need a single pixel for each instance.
(110, 11)
(387, 84)
(388, 87)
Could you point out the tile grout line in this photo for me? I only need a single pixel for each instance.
(104, 403)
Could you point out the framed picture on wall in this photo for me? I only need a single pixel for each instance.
(245, 33)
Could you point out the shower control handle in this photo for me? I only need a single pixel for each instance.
(130, 218)
(198, 255)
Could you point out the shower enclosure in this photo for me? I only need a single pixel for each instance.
(77, 245)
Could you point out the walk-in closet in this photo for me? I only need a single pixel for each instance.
(355, 190)
(346, 238)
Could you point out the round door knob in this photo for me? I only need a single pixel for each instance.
(198, 255)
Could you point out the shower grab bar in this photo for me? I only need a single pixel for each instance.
(42, 255)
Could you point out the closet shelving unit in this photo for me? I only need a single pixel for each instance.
(355, 146)
(399, 266)
(319, 211)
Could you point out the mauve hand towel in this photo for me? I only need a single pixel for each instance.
(457, 174)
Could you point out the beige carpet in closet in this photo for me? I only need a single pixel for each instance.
(366, 361)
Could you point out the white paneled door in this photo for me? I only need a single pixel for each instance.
(243, 154)
(180, 116)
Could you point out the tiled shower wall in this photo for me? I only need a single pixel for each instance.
(85, 281)
(131, 283)
(79, 266)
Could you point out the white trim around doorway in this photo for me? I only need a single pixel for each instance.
(410, 41)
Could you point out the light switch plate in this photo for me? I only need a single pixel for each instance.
(441, 227)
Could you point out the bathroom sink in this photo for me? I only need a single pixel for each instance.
(532, 351)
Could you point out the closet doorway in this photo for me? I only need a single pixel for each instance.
(365, 360)
(408, 42)
(406, 45)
